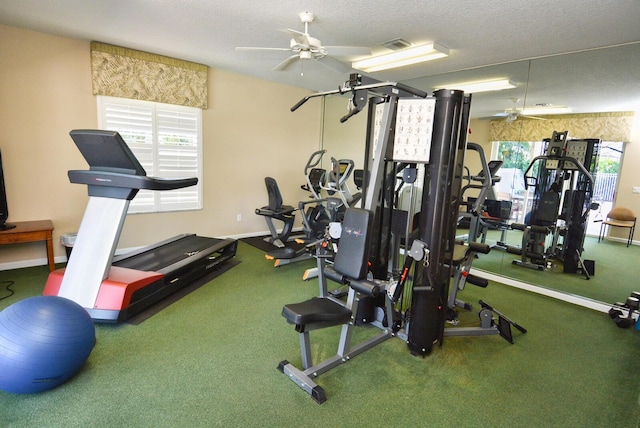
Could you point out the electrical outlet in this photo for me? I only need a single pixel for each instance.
(636, 190)
(239, 217)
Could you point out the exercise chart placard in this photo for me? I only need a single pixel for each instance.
(414, 126)
(377, 124)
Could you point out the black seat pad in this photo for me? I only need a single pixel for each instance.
(316, 310)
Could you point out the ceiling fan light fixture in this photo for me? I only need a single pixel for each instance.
(401, 58)
(482, 86)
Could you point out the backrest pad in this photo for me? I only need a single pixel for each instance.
(352, 258)
(275, 198)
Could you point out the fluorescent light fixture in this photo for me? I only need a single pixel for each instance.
(545, 110)
(408, 56)
(481, 86)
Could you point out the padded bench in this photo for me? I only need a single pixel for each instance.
(317, 312)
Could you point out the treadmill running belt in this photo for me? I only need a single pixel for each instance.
(155, 259)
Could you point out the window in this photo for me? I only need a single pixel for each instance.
(516, 157)
(167, 140)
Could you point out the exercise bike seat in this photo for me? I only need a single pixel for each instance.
(319, 311)
(275, 208)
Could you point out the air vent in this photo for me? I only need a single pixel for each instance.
(396, 44)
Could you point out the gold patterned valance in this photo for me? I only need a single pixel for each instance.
(127, 73)
(605, 126)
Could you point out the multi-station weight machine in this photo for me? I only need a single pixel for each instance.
(418, 137)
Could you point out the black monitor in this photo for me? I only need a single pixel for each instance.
(106, 150)
(4, 209)
(494, 166)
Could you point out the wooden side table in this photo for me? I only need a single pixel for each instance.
(31, 231)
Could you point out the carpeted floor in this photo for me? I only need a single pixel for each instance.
(210, 359)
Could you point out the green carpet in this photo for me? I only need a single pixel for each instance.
(210, 359)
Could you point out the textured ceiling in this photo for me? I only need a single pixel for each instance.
(486, 39)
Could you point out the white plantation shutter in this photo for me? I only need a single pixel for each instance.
(167, 140)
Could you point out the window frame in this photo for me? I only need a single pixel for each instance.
(158, 205)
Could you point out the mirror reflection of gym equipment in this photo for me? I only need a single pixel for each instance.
(483, 211)
(563, 188)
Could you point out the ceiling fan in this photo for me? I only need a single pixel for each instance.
(304, 47)
(514, 113)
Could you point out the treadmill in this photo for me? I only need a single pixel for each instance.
(113, 289)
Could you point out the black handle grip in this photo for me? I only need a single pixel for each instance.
(299, 103)
(476, 280)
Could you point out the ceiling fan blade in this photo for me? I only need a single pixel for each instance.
(286, 63)
(334, 64)
(300, 37)
(294, 33)
(252, 48)
(347, 50)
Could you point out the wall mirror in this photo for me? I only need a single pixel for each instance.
(594, 81)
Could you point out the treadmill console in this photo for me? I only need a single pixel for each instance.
(114, 170)
(106, 150)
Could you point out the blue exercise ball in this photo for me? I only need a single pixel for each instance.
(44, 341)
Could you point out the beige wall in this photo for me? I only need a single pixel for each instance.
(343, 140)
(45, 91)
(249, 133)
(630, 177)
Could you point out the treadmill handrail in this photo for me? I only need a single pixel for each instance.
(129, 181)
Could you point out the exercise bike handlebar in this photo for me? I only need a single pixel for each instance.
(314, 160)
(485, 176)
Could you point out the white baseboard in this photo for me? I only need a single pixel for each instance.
(565, 297)
(254, 234)
(19, 264)
(30, 263)
(623, 240)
